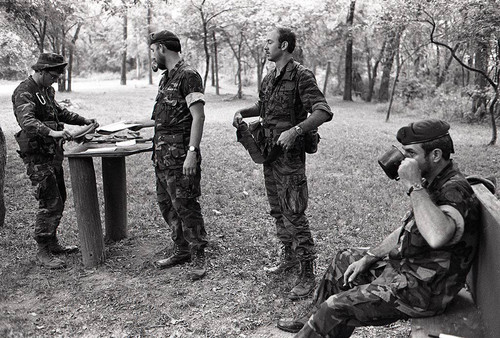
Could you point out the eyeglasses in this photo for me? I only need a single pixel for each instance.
(53, 75)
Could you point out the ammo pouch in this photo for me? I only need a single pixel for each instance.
(311, 140)
(40, 146)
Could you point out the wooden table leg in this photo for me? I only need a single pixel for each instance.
(115, 197)
(87, 210)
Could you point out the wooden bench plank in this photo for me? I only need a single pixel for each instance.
(485, 276)
(461, 319)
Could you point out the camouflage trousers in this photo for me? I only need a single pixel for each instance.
(339, 309)
(286, 187)
(177, 196)
(50, 192)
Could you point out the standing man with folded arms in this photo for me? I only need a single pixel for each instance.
(290, 105)
(178, 119)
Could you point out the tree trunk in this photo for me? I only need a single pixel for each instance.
(71, 54)
(493, 120)
(388, 62)
(148, 21)
(442, 77)
(123, 80)
(481, 63)
(374, 70)
(327, 75)
(398, 70)
(348, 55)
(238, 57)
(3, 162)
(207, 52)
(216, 64)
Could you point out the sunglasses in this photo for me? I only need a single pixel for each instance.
(53, 75)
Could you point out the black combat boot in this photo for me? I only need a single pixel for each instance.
(288, 260)
(46, 258)
(292, 325)
(180, 256)
(57, 249)
(305, 284)
(199, 269)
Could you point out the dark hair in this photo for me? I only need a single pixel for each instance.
(286, 34)
(444, 143)
(174, 46)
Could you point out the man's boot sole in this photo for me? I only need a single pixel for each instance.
(293, 327)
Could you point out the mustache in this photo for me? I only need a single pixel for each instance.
(154, 66)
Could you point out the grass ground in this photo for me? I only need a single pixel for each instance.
(352, 203)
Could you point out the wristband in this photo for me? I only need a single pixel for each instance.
(415, 187)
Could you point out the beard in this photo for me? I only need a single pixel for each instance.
(161, 63)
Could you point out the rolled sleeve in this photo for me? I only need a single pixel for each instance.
(195, 97)
(311, 96)
(457, 218)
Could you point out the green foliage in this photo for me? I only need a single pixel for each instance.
(13, 48)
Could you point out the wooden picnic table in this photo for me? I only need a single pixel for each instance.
(83, 182)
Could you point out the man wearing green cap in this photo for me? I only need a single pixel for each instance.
(178, 118)
(420, 267)
(40, 141)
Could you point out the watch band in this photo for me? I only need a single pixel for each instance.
(193, 148)
(299, 130)
(415, 187)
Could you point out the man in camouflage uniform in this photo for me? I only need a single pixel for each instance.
(40, 141)
(288, 95)
(178, 118)
(420, 267)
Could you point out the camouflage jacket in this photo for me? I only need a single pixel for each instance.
(34, 105)
(37, 112)
(432, 277)
(293, 92)
(178, 90)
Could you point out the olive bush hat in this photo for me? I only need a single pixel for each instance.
(49, 60)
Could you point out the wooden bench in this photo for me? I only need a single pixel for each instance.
(475, 312)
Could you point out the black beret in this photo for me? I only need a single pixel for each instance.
(163, 36)
(422, 131)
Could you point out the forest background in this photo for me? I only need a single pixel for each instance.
(439, 56)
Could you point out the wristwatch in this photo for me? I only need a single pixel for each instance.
(415, 187)
(299, 130)
(193, 148)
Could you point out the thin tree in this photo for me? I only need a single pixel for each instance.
(348, 55)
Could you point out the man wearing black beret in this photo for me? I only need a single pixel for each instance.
(419, 268)
(178, 118)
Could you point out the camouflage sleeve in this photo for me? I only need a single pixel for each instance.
(192, 88)
(65, 115)
(456, 200)
(24, 109)
(312, 98)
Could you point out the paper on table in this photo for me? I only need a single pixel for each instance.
(114, 127)
(127, 143)
(100, 150)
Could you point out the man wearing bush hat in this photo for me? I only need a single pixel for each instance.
(40, 146)
(419, 268)
(178, 118)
